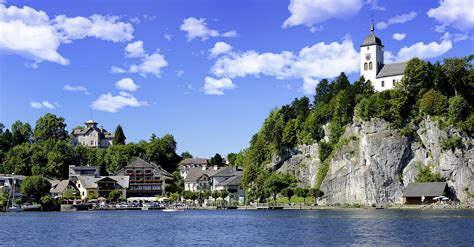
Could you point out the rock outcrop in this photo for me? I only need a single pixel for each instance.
(377, 163)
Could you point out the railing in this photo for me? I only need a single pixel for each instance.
(145, 181)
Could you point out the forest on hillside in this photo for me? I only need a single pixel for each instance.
(444, 91)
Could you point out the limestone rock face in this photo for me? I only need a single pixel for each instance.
(376, 163)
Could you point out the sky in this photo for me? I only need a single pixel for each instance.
(207, 72)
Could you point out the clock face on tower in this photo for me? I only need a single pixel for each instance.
(367, 57)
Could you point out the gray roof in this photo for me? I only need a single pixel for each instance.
(90, 121)
(195, 173)
(392, 69)
(425, 189)
(227, 171)
(196, 161)
(89, 182)
(234, 180)
(139, 163)
(371, 40)
(60, 186)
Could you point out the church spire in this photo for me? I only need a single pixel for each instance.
(372, 26)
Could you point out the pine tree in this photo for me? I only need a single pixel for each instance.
(119, 138)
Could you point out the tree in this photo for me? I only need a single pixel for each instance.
(3, 200)
(48, 203)
(232, 157)
(223, 194)
(460, 75)
(114, 195)
(458, 108)
(35, 187)
(302, 192)
(275, 183)
(288, 192)
(426, 176)
(50, 126)
(119, 138)
(215, 195)
(21, 133)
(216, 160)
(186, 155)
(315, 193)
(433, 103)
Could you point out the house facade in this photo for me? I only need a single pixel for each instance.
(373, 67)
(92, 136)
(186, 164)
(11, 184)
(147, 179)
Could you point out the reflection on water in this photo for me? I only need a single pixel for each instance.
(284, 227)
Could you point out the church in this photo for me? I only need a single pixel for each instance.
(372, 67)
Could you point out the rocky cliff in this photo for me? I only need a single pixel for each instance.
(376, 163)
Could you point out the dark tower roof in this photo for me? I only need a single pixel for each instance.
(371, 39)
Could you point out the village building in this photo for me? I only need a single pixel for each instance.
(58, 187)
(186, 164)
(11, 184)
(419, 193)
(92, 136)
(147, 179)
(382, 75)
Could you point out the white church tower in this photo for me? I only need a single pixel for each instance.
(372, 67)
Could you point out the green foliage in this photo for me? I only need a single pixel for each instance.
(50, 126)
(3, 200)
(425, 175)
(232, 157)
(119, 137)
(458, 108)
(216, 160)
(35, 187)
(276, 182)
(288, 193)
(315, 193)
(114, 195)
(433, 103)
(452, 143)
(71, 194)
(48, 203)
(21, 133)
(325, 150)
(185, 155)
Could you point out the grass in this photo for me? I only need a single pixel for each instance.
(294, 199)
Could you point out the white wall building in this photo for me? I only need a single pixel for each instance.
(372, 67)
(92, 136)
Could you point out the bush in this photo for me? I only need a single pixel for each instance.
(48, 203)
(433, 103)
(425, 175)
(452, 143)
(35, 187)
(458, 108)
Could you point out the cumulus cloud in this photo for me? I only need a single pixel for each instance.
(398, 19)
(197, 28)
(102, 27)
(311, 12)
(150, 64)
(399, 36)
(168, 36)
(420, 50)
(76, 88)
(179, 73)
(455, 13)
(135, 49)
(309, 85)
(43, 104)
(32, 34)
(214, 86)
(317, 61)
(110, 103)
(126, 84)
(220, 48)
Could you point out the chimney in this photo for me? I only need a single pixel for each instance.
(102, 128)
(215, 167)
(203, 168)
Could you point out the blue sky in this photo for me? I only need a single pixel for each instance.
(207, 72)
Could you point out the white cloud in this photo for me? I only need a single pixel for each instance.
(217, 86)
(399, 36)
(455, 13)
(117, 70)
(374, 5)
(102, 27)
(135, 20)
(126, 84)
(168, 36)
(179, 73)
(43, 104)
(30, 33)
(135, 49)
(397, 20)
(311, 12)
(76, 88)
(309, 85)
(220, 48)
(197, 28)
(317, 61)
(151, 64)
(420, 50)
(108, 102)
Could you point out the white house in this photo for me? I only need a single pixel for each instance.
(372, 67)
(92, 136)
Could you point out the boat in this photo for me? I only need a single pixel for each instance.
(31, 207)
(14, 209)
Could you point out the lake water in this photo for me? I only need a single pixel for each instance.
(235, 227)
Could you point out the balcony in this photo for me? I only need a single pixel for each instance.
(145, 181)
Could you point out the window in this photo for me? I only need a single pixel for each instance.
(370, 66)
(367, 48)
(91, 143)
(129, 171)
(383, 83)
(138, 172)
(147, 171)
(365, 66)
(393, 83)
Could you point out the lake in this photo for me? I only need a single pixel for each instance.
(239, 227)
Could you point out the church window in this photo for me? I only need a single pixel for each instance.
(370, 66)
(383, 83)
(365, 66)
